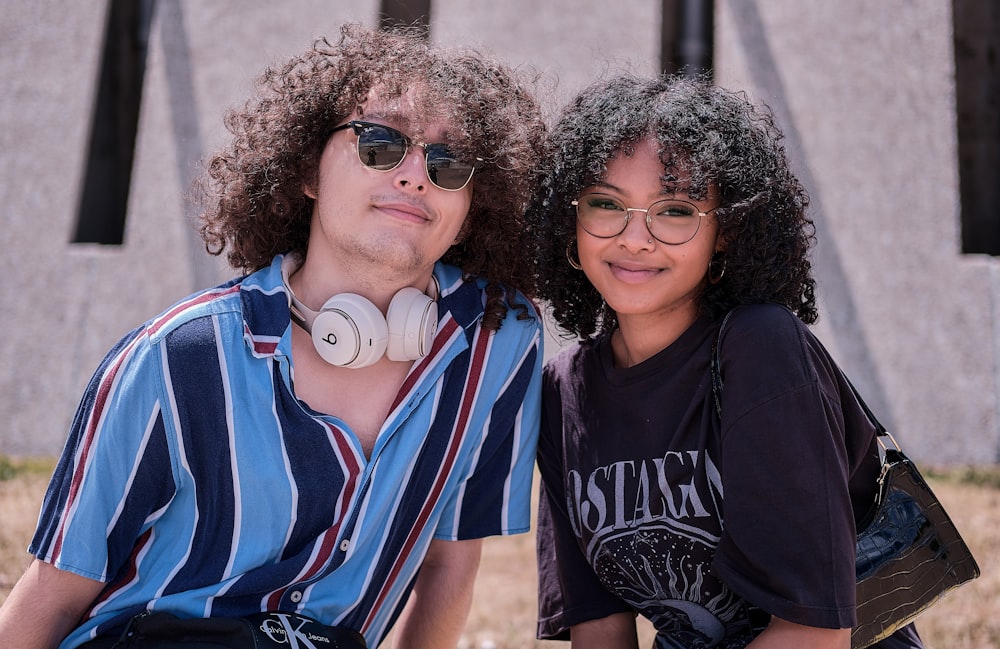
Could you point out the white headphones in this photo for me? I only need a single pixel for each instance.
(350, 331)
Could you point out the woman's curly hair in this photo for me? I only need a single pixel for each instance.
(254, 204)
(712, 135)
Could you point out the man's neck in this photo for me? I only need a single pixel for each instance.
(318, 279)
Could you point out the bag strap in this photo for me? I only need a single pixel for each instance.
(717, 383)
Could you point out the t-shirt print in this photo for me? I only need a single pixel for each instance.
(650, 527)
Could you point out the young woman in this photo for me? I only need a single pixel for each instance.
(670, 205)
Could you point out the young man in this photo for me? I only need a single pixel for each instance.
(253, 448)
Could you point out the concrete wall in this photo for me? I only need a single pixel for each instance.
(864, 90)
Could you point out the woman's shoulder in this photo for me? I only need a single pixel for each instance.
(570, 362)
(764, 318)
(764, 336)
(764, 326)
(767, 347)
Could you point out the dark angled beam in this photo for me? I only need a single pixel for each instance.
(395, 13)
(977, 103)
(104, 195)
(687, 37)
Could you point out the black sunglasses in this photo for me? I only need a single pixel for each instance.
(383, 148)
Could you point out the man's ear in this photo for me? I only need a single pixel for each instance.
(310, 183)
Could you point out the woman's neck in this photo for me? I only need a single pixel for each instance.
(639, 338)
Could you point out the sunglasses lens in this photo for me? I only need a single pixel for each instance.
(380, 147)
(383, 148)
(444, 170)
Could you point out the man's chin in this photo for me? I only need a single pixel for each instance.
(392, 253)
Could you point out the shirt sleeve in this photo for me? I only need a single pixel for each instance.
(114, 470)
(569, 592)
(789, 539)
(495, 498)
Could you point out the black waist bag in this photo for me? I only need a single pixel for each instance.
(161, 630)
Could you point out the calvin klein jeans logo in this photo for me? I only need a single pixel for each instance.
(282, 628)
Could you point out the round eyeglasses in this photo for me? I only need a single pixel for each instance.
(671, 221)
(383, 148)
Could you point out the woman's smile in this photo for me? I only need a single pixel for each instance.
(633, 273)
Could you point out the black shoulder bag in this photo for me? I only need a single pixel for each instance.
(162, 630)
(909, 553)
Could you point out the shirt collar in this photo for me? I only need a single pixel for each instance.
(266, 316)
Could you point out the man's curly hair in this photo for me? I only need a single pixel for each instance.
(254, 204)
(713, 136)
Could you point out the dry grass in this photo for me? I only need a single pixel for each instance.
(20, 499)
(503, 613)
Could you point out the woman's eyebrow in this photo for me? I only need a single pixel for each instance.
(606, 185)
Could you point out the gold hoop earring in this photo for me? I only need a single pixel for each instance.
(575, 263)
(715, 273)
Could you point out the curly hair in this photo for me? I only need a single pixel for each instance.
(717, 137)
(252, 192)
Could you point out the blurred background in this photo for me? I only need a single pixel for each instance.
(891, 111)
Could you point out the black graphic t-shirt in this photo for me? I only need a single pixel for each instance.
(649, 503)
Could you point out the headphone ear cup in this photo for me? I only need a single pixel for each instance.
(350, 331)
(412, 318)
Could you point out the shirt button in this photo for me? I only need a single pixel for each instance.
(296, 596)
(344, 545)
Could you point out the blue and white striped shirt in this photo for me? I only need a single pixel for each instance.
(195, 481)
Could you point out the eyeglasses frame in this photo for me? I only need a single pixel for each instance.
(628, 217)
(407, 142)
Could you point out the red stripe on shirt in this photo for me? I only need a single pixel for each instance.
(180, 307)
(129, 576)
(349, 462)
(443, 336)
(479, 353)
(102, 396)
(100, 400)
